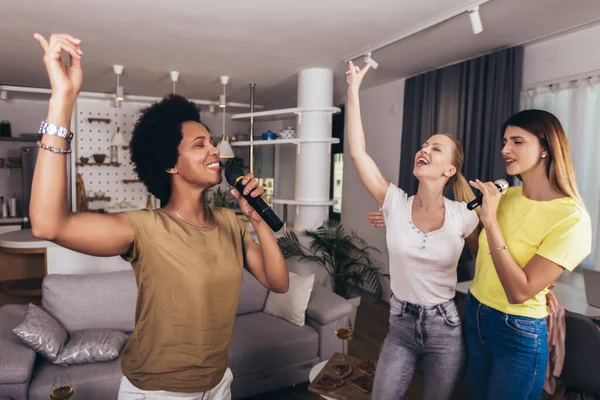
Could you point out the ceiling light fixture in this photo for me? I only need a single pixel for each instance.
(224, 147)
(369, 60)
(475, 20)
(174, 78)
(471, 5)
(118, 69)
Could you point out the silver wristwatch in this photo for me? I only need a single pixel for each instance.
(49, 129)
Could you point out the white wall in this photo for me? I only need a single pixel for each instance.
(382, 120)
(562, 56)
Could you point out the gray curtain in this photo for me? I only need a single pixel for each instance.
(470, 100)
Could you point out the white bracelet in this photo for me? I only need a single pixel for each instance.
(498, 249)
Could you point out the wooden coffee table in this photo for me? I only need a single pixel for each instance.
(346, 392)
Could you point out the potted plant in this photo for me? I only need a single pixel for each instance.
(344, 255)
(220, 198)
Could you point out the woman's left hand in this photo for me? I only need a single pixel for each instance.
(551, 300)
(254, 190)
(491, 199)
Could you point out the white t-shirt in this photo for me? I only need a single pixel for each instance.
(423, 265)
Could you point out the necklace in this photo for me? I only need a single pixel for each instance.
(203, 226)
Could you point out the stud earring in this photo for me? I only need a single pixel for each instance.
(543, 155)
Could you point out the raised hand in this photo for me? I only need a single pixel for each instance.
(254, 190)
(376, 219)
(66, 80)
(490, 202)
(355, 75)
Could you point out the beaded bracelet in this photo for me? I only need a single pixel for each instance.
(53, 149)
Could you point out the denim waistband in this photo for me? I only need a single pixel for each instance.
(417, 309)
(470, 299)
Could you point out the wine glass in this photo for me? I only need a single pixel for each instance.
(61, 387)
(344, 332)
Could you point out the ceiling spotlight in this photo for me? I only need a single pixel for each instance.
(369, 60)
(223, 98)
(174, 78)
(475, 20)
(118, 69)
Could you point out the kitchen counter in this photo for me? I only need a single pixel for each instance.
(23, 239)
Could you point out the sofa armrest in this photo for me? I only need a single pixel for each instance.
(325, 306)
(16, 359)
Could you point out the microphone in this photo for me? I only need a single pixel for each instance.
(501, 184)
(234, 175)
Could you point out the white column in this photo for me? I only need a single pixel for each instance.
(315, 90)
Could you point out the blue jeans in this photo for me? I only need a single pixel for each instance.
(432, 335)
(507, 355)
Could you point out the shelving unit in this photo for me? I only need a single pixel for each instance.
(314, 118)
(273, 114)
(104, 198)
(316, 203)
(108, 164)
(131, 180)
(276, 142)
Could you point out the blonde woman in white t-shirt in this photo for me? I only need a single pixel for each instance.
(425, 234)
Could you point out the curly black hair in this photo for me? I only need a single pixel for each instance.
(154, 141)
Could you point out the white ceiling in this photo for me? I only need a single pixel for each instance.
(262, 41)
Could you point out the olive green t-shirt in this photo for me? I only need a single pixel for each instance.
(189, 281)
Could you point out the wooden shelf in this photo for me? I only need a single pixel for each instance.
(109, 164)
(105, 198)
(31, 287)
(131, 180)
(105, 120)
(18, 139)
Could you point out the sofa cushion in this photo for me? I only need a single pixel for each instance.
(92, 345)
(98, 381)
(16, 358)
(101, 301)
(261, 341)
(291, 305)
(40, 331)
(253, 296)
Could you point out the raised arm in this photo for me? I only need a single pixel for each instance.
(369, 173)
(51, 218)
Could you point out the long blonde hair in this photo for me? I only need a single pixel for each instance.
(552, 137)
(460, 186)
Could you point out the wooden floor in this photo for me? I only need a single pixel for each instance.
(371, 328)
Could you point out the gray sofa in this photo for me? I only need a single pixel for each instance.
(266, 352)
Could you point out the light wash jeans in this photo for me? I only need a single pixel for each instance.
(507, 354)
(430, 334)
(220, 392)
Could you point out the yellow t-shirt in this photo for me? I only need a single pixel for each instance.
(559, 230)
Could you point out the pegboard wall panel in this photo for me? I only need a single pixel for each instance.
(93, 137)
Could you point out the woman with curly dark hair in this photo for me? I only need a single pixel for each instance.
(187, 257)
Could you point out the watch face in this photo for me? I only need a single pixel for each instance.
(52, 130)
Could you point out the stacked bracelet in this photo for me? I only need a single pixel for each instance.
(53, 149)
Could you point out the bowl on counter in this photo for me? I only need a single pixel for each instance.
(84, 160)
(99, 194)
(99, 158)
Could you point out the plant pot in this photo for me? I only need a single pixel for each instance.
(355, 301)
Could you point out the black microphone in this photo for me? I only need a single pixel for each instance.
(234, 175)
(501, 184)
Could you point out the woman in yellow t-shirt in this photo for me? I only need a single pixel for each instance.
(531, 235)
